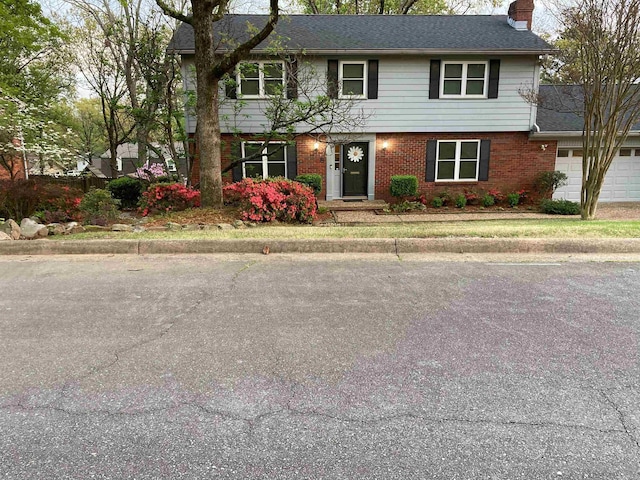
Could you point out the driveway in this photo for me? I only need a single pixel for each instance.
(318, 367)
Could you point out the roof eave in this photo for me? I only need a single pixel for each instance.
(550, 135)
(397, 51)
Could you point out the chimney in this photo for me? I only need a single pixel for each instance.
(521, 14)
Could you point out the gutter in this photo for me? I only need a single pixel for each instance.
(551, 135)
(404, 51)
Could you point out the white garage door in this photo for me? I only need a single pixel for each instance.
(622, 183)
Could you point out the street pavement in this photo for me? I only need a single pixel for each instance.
(309, 367)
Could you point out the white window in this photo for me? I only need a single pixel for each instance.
(457, 160)
(352, 79)
(563, 152)
(464, 79)
(172, 165)
(268, 162)
(260, 79)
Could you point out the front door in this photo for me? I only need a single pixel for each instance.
(355, 160)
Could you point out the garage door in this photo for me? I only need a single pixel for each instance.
(622, 183)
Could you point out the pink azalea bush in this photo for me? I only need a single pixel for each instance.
(167, 197)
(151, 172)
(272, 199)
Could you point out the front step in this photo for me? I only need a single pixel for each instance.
(352, 205)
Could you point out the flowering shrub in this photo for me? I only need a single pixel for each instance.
(496, 194)
(151, 172)
(272, 199)
(59, 203)
(471, 196)
(167, 197)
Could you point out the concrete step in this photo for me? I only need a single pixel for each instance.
(352, 205)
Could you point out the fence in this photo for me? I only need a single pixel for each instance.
(81, 183)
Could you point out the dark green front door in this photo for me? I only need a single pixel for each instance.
(355, 160)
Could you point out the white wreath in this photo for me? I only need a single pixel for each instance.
(355, 154)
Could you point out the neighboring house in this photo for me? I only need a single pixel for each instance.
(128, 163)
(442, 97)
(12, 164)
(560, 120)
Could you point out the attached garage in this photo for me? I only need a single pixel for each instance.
(622, 183)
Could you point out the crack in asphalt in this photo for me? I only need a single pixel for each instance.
(253, 421)
(234, 278)
(621, 417)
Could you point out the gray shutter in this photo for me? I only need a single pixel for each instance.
(292, 161)
(432, 146)
(236, 153)
(332, 78)
(292, 78)
(485, 153)
(494, 78)
(230, 87)
(434, 79)
(372, 80)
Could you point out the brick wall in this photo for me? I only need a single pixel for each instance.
(515, 161)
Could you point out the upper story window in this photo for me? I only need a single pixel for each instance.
(352, 79)
(260, 79)
(457, 160)
(464, 80)
(268, 162)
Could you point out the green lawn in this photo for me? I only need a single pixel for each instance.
(560, 228)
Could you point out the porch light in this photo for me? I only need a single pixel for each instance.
(316, 146)
(385, 145)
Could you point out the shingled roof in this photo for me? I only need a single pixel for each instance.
(393, 34)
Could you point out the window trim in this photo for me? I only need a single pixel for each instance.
(261, 84)
(465, 66)
(264, 157)
(365, 74)
(456, 169)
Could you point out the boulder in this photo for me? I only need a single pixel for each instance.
(73, 227)
(173, 226)
(11, 228)
(95, 228)
(139, 229)
(224, 226)
(31, 229)
(56, 229)
(4, 236)
(121, 227)
(192, 227)
(238, 224)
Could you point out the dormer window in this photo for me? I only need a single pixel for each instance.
(260, 79)
(464, 80)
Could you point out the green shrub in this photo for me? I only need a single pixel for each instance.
(560, 207)
(488, 200)
(404, 185)
(437, 202)
(513, 199)
(98, 207)
(547, 182)
(313, 180)
(461, 200)
(126, 189)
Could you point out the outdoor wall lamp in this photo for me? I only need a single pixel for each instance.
(316, 146)
(385, 145)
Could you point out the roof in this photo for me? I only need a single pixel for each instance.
(394, 34)
(130, 150)
(560, 109)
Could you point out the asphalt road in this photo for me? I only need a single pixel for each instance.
(301, 368)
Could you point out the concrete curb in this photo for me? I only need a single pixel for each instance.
(325, 245)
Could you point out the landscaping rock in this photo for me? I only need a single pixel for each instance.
(173, 226)
(139, 229)
(11, 228)
(4, 236)
(251, 224)
(31, 229)
(121, 227)
(56, 229)
(192, 227)
(73, 227)
(224, 226)
(95, 228)
(238, 224)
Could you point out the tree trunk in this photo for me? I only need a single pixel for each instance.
(589, 198)
(208, 131)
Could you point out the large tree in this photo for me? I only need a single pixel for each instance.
(386, 7)
(603, 53)
(211, 67)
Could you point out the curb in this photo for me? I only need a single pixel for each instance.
(326, 245)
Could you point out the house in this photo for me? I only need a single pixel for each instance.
(559, 121)
(128, 163)
(12, 163)
(441, 97)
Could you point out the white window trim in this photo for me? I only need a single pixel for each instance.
(341, 63)
(456, 169)
(261, 88)
(465, 66)
(265, 159)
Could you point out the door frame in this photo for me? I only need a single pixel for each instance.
(371, 138)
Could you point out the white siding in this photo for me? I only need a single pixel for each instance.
(403, 103)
